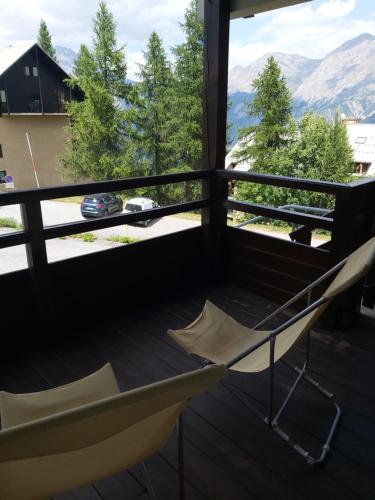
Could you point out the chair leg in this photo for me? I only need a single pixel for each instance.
(181, 470)
(238, 394)
(326, 446)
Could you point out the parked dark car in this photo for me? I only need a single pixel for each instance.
(99, 205)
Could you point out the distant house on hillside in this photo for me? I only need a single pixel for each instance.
(232, 163)
(361, 138)
(32, 100)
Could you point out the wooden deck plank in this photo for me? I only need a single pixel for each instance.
(229, 452)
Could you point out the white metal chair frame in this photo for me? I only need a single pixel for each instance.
(272, 418)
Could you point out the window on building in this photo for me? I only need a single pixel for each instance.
(2, 176)
(3, 97)
(362, 168)
(360, 140)
(1, 151)
(26, 70)
(35, 71)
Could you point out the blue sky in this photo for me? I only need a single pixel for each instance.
(312, 29)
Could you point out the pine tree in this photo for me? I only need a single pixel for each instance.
(272, 107)
(44, 40)
(186, 98)
(340, 154)
(268, 143)
(323, 152)
(100, 144)
(154, 108)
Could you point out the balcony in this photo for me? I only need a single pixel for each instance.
(55, 331)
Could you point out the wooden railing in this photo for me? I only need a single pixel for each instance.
(35, 233)
(258, 260)
(350, 223)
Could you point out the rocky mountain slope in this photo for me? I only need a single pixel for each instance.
(343, 81)
(66, 58)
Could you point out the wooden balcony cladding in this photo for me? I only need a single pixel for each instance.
(90, 287)
(275, 268)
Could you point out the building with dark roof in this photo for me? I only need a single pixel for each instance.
(33, 95)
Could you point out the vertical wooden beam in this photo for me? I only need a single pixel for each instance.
(39, 80)
(353, 224)
(36, 253)
(216, 49)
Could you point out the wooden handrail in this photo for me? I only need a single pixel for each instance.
(314, 221)
(67, 229)
(286, 182)
(50, 193)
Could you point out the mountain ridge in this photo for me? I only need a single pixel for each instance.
(343, 80)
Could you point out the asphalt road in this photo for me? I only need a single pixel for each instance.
(55, 212)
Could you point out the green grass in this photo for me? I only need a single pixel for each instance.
(10, 222)
(87, 237)
(116, 238)
(188, 215)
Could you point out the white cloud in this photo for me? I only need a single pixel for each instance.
(310, 30)
(70, 22)
(243, 54)
(336, 8)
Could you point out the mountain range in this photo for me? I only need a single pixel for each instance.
(344, 81)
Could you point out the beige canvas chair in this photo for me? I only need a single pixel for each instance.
(54, 441)
(218, 338)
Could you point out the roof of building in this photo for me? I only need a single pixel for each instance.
(10, 55)
(232, 162)
(362, 140)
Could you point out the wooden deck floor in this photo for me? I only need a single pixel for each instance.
(229, 452)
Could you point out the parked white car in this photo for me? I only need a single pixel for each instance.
(139, 204)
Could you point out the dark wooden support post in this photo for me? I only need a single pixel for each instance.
(36, 253)
(353, 223)
(39, 81)
(216, 48)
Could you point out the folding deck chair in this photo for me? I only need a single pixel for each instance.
(218, 338)
(57, 440)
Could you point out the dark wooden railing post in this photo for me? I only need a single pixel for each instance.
(216, 48)
(352, 226)
(36, 253)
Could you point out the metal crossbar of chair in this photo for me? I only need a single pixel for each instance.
(270, 419)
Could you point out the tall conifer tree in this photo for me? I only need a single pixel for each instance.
(154, 107)
(186, 98)
(272, 107)
(45, 41)
(100, 144)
